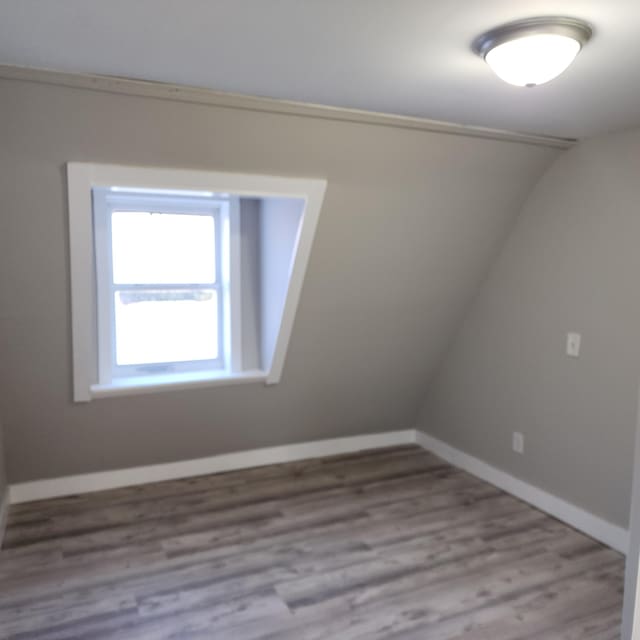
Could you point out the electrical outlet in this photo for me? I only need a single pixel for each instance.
(518, 442)
(573, 344)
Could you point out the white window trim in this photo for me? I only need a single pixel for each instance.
(83, 177)
(232, 286)
(175, 381)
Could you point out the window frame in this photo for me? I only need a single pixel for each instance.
(82, 177)
(107, 201)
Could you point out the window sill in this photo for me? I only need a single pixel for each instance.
(174, 382)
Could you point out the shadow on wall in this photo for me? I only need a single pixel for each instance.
(4, 495)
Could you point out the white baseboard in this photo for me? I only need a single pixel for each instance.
(603, 531)
(606, 532)
(4, 513)
(84, 483)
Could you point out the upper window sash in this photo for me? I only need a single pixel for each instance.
(132, 201)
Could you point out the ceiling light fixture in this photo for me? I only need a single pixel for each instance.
(530, 52)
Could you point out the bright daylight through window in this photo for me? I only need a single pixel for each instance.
(159, 281)
(164, 316)
(184, 278)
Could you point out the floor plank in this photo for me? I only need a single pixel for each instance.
(391, 543)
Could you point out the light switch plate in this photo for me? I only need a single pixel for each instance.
(573, 344)
(518, 442)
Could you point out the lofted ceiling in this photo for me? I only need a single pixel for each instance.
(409, 57)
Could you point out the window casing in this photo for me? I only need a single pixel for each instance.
(262, 227)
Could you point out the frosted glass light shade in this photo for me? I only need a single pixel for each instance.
(533, 51)
(533, 60)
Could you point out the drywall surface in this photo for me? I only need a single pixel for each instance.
(572, 263)
(410, 223)
(3, 475)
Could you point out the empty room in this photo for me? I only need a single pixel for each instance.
(319, 320)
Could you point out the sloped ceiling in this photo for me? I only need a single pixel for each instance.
(407, 57)
(570, 263)
(410, 222)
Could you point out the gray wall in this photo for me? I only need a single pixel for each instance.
(409, 225)
(571, 263)
(3, 475)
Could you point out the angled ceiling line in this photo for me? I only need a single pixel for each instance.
(198, 95)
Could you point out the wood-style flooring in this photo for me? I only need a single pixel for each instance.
(392, 544)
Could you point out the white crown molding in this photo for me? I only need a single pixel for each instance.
(101, 480)
(181, 93)
(590, 524)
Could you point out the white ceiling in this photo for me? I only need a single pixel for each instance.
(409, 57)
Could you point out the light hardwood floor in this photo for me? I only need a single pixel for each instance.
(392, 543)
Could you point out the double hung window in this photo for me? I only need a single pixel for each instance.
(160, 287)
